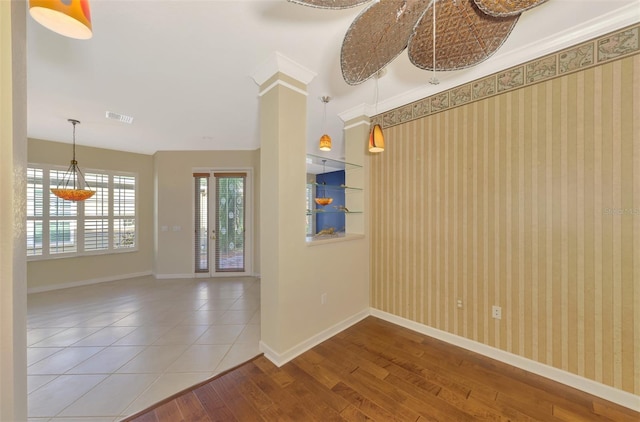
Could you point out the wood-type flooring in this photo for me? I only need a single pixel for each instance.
(379, 371)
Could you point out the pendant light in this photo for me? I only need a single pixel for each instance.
(72, 185)
(325, 140)
(71, 18)
(376, 138)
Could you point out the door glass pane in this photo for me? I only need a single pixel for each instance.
(230, 223)
(201, 224)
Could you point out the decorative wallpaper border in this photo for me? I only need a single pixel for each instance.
(613, 46)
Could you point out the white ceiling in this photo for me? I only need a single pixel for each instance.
(183, 69)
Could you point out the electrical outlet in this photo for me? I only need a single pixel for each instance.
(459, 303)
(323, 299)
(496, 312)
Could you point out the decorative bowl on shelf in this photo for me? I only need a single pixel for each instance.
(323, 201)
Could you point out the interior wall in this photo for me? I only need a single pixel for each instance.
(43, 274)
(529, 200)
(173, 177)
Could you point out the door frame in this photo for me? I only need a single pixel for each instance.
(248, 221)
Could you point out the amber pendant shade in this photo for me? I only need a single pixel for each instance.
(376, 139)
(325, 143)
(73, 194)
(71, 18)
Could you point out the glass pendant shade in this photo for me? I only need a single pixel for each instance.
(325, 143)
(376, 139)
(73, 186)
(71, 18)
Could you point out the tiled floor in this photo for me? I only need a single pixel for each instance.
(102, 352)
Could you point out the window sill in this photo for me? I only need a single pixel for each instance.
(35, 258)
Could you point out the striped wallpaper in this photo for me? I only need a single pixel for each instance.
(529, 200)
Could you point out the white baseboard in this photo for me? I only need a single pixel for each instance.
(202, 275)
(51, 287)
(173, 276)
(280, 359)
(614, 395)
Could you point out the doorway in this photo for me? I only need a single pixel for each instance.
(223, 223)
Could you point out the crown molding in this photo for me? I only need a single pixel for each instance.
(279, 63)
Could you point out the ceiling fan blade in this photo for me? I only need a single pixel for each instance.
(330, 4)
(506, 7)
(377, 36)
(465, 36)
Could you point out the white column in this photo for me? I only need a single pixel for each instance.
(13, 158)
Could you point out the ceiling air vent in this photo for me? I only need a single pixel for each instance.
(119, 117)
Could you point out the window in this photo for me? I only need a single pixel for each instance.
(104, 223)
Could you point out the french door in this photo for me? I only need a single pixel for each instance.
(221, 230)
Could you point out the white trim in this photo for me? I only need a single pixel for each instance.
(86, 282)
(366, 110)
(174, 276)
(285, 84)
(280, 359)
(278, 62)
(360, 123)
(614, 395)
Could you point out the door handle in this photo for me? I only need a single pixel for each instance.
(213, 234)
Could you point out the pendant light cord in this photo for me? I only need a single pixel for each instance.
(434, 80)
(375, 98)
(74, 140)
(325, 100)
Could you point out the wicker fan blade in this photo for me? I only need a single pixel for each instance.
(465, 36)
(377, 36)
(506, 7)
(330, 4)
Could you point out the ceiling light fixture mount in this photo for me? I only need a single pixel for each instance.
(325, 140)
(70, 18)
(73, 186)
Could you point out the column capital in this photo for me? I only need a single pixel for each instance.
(279, 63)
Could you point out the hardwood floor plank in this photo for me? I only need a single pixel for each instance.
(191, 408)
(287, 406)
(364, 404)
(320, 391)
(376, 371)
(352, 414)
(320, 374)
(427, 406)
(380, 393)
(169, 412)
(616, 413)
(213, 404)
(146, 417)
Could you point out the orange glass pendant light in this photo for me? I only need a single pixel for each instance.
(325, 140)
(325, 143)
(376, 139)
(71, 18)
(72, 186)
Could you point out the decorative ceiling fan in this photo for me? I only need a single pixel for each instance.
(465, 32)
